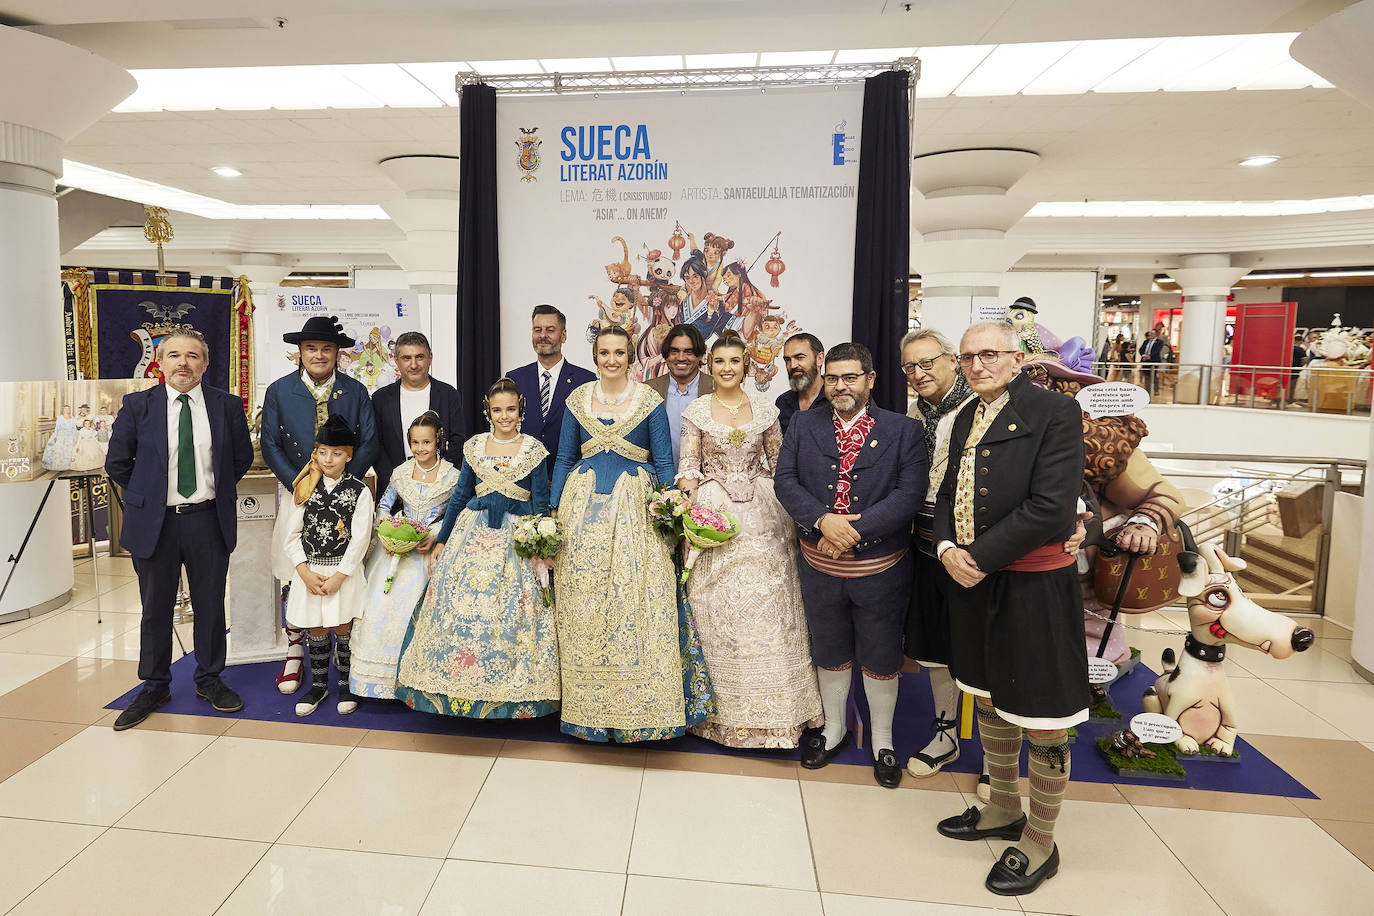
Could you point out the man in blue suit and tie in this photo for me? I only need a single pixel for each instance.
(293, 409)
(548, 380)
(178, 451)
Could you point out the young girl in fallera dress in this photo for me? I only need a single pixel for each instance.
(321, 540)
(482, 644)
(420, 489)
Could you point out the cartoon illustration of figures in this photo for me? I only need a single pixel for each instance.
(660, 306)
(765, 348)
(620, 312)
(714, 254)
(1021, 315)
(700, 303)
(372, 360)
(744, 303)
(528, 145)
(621, 271)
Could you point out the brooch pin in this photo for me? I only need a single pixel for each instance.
(337, 393)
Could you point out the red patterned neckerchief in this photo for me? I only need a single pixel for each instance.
(850, 441)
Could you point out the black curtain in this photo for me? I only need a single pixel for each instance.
(479, 266)
(882, 233)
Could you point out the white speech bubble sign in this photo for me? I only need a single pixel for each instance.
(1156, 728)
(1101, 671)
(1112, 399)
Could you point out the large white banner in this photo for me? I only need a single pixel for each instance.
(719, 209)
(374, 318)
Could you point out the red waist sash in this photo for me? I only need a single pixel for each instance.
(1044, 559)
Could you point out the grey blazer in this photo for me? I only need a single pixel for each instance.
(705, 384)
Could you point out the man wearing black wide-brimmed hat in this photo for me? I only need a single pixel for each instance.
(295, 407)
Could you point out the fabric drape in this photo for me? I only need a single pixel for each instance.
(479, 266)
(882, 232)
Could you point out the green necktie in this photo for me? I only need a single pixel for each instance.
(186, 450)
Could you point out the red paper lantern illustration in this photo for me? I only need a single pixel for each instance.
(677, 242)
(775, 265)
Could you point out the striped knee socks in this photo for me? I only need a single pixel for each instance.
(1002, 751)
(1049, 778)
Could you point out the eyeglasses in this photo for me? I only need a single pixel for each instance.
(925, 365)
(849, 378)
(986, 357)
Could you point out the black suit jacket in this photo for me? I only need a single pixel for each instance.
(386, 405)
(547, 430)
(1028, 472)
(137, 461)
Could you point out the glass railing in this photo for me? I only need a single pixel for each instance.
(1318, 389)
(1282, 516)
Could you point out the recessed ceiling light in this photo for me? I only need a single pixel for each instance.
(1259, 160)
(226, 171)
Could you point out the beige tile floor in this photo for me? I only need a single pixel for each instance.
(193, 815)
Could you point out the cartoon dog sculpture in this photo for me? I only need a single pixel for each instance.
(1194, 691)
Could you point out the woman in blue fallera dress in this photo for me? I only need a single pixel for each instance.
(481, 643)
(421, 486)
(631, 662)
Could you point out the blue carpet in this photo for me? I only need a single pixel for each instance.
(1254, 773)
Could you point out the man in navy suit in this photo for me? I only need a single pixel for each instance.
(853, 478)
(397, 405)
(548, 380)
(178, 452)
(297, 405)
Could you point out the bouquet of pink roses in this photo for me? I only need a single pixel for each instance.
(704, 528)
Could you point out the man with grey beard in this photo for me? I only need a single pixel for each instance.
(803, 359)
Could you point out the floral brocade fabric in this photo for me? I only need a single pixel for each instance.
(745, 594)
(631, 662)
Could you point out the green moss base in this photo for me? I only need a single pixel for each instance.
(1161, 766)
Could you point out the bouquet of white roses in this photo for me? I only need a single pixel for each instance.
(538, 538)
(667, 507)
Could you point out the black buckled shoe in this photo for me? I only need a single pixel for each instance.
(1008, 876)
(220, 696)
(965, 827)
(143, 706)
(885, 769)
(814, 752)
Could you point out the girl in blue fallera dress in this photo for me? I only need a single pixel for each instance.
(482, 644)
(420, 489)
(631, 662)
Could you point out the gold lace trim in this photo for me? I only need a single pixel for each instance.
(504, 481)
(612, 438)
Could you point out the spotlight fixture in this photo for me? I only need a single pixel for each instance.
(1259, 160)
(226, 171)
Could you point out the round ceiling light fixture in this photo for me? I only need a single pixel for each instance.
(226, 171)
(1254, 161)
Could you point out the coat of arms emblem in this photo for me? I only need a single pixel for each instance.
(528, 145)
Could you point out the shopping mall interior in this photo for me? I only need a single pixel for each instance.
(1186, 190)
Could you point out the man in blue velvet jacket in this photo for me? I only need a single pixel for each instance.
(178, 451)
(297, 405)
(852, 478)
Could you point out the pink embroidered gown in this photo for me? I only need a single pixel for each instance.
(745, 596)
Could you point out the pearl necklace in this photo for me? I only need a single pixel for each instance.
(426, 471)
(601, 396)
(496, 438)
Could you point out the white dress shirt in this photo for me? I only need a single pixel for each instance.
(200, 436)
(413, 403)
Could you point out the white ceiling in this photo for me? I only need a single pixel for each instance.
(1119, 146)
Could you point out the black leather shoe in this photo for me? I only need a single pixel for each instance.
(220, 696)
(143, 706)
(1008, 877)
(885, 769)
(965, 827)
(814, 752)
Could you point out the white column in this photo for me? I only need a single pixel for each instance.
(428, 215)
(52, 91)
(1206, 280)
(959, 225)
(1362, 646)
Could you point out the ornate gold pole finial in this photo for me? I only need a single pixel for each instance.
(157, 229)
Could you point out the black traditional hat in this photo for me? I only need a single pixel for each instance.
(324, 328)
(1027, 303)
(336, 432)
